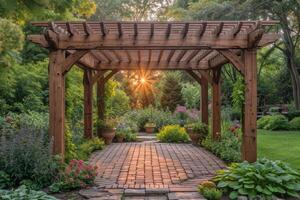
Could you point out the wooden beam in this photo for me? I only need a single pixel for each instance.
(57, 101)
(135, 30)
(204, 101)
(108, 76)
(236, 61)
(216, 104)
(194, 75)
(185, 30)
(120, 30)
(102, 29)
(96, 41)
(180, 56)
(71, 29)
(206, 75)
(88, 104)
(151, 31)
(97, 75)
(87, 29)
(218, 29)
(100, 101)
(237, 29)
(254, 38)
(202, 29)
(72, 59)
(249, 143)
(170, 56)
(192, 55)
(153, 65)
(168, 31)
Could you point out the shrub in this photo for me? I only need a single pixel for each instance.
(209, 191)
(76, 175)
(264, 178)
(27, 155)
(5, 181)
(85, 149)
(24, 193)
(263, 121)
(295, 123)
(128, 128)
(150, 114)
(273, 122)
(172, 133)
(227, 147)
(199, 128)
(277, 122)
(70, 148)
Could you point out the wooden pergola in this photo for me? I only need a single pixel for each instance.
(201, 48)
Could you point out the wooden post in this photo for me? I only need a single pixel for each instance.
(216, 104)
(57, 101)
(100, 100)
(88, 104)
(249, 144)
(204, 100)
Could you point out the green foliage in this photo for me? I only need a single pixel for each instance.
(190, 95)
(27, 155)
(212, 193)
(24, 193)
(171, 91)
(76, 175)
(264, 178)
(227, 147)
(11, 42)
(118, 104)
(173, 134)
(295, 123)
(238, 94)
(273, 122)
(150, 114)
(209, 191)
(70, 148)
(89, 146)
(5, 181)
(128, 129)
(198, 127)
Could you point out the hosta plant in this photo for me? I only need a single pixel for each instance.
(24, 193)
(265, 179)
(209, 191)
(76, 175)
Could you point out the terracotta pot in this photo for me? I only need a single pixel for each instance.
(120, 139)
(149, 129)
(195, 137)
(108, 135)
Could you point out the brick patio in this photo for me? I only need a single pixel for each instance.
(149, 165)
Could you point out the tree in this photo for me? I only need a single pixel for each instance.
(11, 42)
(286, 11)
(136, 10)
(190, 95)
(171, 91)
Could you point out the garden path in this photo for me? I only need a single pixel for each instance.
(152, 168)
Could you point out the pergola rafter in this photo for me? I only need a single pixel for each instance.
(102, 49)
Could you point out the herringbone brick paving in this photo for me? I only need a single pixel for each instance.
(154, 165)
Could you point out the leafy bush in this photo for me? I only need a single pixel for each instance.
(89, 146)
(5, 181)
(227, 147)
(209, 191)
(76, 175)
(273, 122)
(150, 114)
(24, 193)
(198, 127)
(70, 147)
(295, 123)
(190, 95)
(128, 128)
(172, 133)
(264, 178)
(27, 155)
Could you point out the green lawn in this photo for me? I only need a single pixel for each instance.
(280, 145)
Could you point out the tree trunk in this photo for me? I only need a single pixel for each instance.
(292, 66)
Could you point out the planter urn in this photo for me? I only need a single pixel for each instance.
(108, 135)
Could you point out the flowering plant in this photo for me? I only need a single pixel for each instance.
(77, 174)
